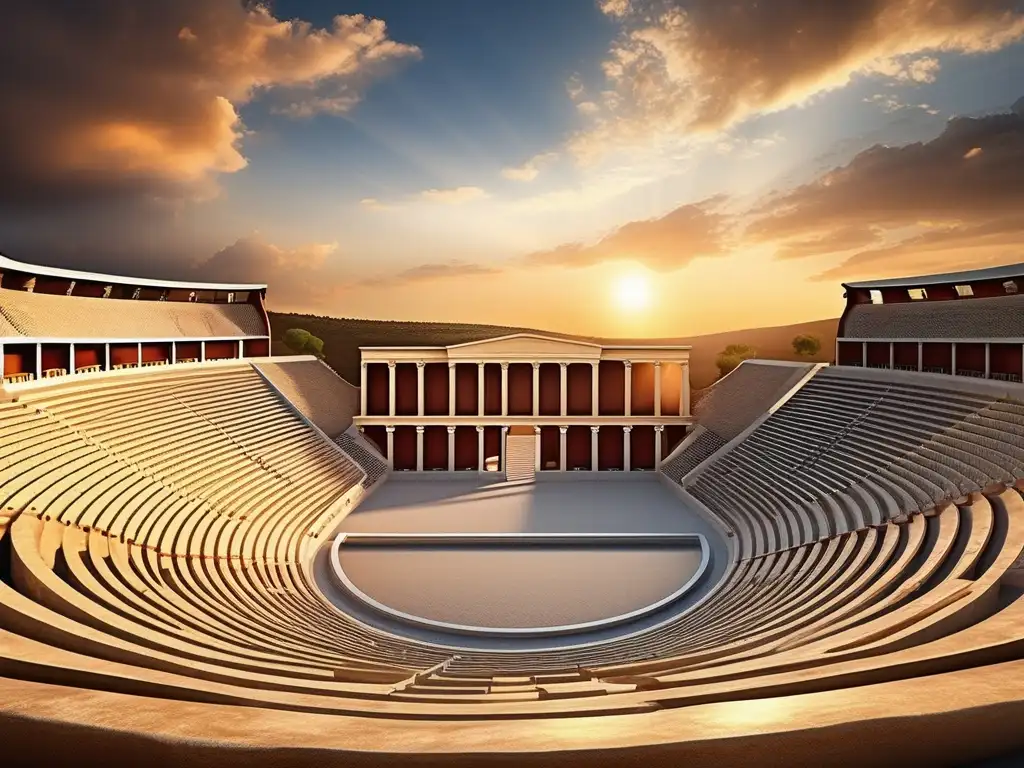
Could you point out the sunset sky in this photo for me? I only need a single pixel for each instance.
(607, 167)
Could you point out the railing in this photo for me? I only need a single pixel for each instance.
(17, 378)
(51, 373)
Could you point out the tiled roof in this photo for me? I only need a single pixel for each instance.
(976, 318)
(39, 315)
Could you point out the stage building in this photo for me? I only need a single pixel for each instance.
(525, 404)
(960, 324)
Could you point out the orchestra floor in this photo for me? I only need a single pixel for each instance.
(550, 588)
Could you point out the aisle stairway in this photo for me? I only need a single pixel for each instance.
(520, 454)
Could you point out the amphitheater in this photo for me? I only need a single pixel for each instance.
(525, 550)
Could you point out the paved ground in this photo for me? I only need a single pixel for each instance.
(488, 587)
(515, 587)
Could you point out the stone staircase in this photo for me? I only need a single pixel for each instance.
(520, 457)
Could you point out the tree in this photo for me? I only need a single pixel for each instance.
(302, 341)
(732, 356)
(806, 346)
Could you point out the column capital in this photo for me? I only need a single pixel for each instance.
(535, 365)
(419, 430)
(657, 363)
(452, 363)
(628, 364)
(504, 366)
(627, 428)
(660, 428)
(362, 364)
(479, 428)
(684, 363)
(595, 363)
(480, 364)
(451, 430)
(564, 364)
(362, 429)
(563, 430)
(391, 363)
(536, 430)
(595, 430)
(389, 430)
(504, 428)
(420, 363)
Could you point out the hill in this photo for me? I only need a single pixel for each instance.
(342, 338)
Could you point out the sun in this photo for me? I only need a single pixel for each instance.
(633, 293)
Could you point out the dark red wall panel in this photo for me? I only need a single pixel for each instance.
(671, 437)
(642, 389)
(155, 352)
(406, 402)
(466, 445)
(641, 447)
(376, 389)
(970, 357)
(938, 354)
(221, 350)
(550, 389)
(492, 389)
(609, 448)
(378, 436)
(578, 377)
(435, 381)
(577, 448)
(850, 353)
(550, 448)
(466, 403)
(520, 389)
(671, 386)
(435, 448)
(1006, 358)
(123, 354)
(56, 356)
(878, 354)
(612, 388)
(405, 448)
(905, 354)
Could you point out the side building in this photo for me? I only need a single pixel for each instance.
(525, 403)
(59, 322)
(959, 323)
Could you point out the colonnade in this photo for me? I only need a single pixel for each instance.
(684, 394)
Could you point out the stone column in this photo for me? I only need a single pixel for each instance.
(391, 387)
(71, 358)
(920, 356)
(174, 353)
(479, 389)
(988, 360)
(625, 448)
(419, 449)
(362, 388)
(629, 388)
(420, 388)
(657, 388)
(39, 362)
(684, 390)
(536, 447)
(202, 351)
(391, 446)
(1, 361)
(563, 387)
(536, 389)
(504, 389)
(106, 356)
(953, 357)
(593, 448)
(657, 446)
(241, 349)
(479, 449)
(864, 354)
(138, 354)
(501, 450)
(451, 449)
(561, 448)
(892, 356)
(595, 387)
(451, 389)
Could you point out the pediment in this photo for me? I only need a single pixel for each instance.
(525, 346)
